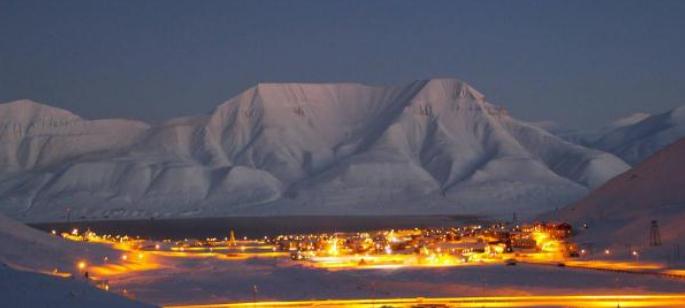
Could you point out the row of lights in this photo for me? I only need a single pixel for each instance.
(607, 252)
(81, 265)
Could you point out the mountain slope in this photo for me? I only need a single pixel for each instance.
(432, 146)
(621, 210)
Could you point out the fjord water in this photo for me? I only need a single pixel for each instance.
(255, 226)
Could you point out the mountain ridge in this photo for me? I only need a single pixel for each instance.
(429, 146)
(633, 138)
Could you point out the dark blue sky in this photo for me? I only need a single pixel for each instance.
(580, 63)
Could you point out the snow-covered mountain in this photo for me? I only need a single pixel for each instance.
(589, 137)
(433, 146)
(632, 138)
(621, 210)
(35, 136)
(643, 137)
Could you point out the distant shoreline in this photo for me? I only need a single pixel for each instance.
(258, 226)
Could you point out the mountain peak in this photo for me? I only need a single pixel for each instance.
(678, 114)
(26, 111)
(307, 91)
(628, 120)
(452, 87)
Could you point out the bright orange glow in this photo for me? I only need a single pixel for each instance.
(615, 265)
(333, 247)
(111, 269)
(657, 300)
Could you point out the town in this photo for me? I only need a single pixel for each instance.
(430, 247)
(545, 246)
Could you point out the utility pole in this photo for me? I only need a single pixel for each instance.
(654, 235)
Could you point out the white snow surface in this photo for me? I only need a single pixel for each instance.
(429, 147)
(621, 210)
(20, 289)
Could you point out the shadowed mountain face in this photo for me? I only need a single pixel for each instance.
(432, 146)
(622, 209)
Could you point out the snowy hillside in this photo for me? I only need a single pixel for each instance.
(622, 209)
(26, 289)
(29, 255)
(38, 251)
(433, 146)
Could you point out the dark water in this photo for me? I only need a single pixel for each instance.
(256, 226)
